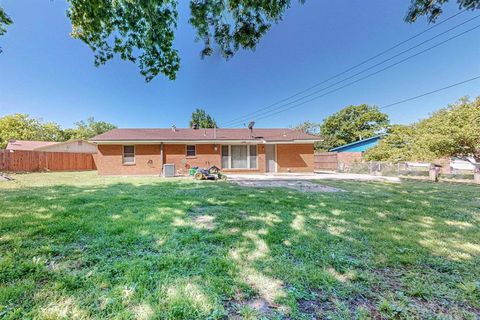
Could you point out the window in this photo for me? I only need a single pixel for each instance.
(239, 157)
(191, 151)
(128, 154)
(253, 157)
(225, 157)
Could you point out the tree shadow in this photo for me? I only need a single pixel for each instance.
(197, 250)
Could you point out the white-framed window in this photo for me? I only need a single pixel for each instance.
(191, 150)
(239, 156)
(128, 154)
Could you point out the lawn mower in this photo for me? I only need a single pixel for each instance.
(212, 173)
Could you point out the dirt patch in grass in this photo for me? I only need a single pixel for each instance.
(204, 222)
(326, 304)
(304, 186)
(252, 308)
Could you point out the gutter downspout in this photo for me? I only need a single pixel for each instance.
(161, 159)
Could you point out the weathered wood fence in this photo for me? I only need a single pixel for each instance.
(326, 161)
(30, 161)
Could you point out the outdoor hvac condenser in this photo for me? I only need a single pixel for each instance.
(169, 170)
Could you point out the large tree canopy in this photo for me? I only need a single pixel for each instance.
(450, 132)
(143, 31)
(351, 124)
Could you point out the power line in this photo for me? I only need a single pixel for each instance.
(360, 72)
(267, 114)
(430, 92)
(353, 67)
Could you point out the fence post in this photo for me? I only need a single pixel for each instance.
(433, 172)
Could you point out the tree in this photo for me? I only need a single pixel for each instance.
(22, 127)
(453, 131)
(433, 8)
(143, 31)
(87, 129)
(200, 119)
(4, 22)
(395, 146)
(351, 124)
(309, 128)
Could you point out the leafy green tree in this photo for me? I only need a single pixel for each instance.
(453, 131)
(200, 119)
(309, 127)
(87, 129)
(433, 8)
(143, 31)
(395, 146)
(22, 127)
(4, 22)
(351, 124)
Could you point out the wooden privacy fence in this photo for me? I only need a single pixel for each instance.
(29, 161)
(326, 161)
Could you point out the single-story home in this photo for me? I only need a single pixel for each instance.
(72, 146)
(146, 151)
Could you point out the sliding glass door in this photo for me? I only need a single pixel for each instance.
(239, 157)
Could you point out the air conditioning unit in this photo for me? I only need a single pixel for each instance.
(169, 170)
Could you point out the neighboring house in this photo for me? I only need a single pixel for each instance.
(351, 153)
(358, 146)
(74, 146)
(145, 151)
(25, 145)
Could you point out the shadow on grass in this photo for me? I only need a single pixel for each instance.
(195, 250)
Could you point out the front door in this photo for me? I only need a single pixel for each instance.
(271, 165)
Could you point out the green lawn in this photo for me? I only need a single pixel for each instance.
(75, 245)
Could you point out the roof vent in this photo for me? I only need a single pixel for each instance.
(195, 126)
(174, 128)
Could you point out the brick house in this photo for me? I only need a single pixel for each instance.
(145, 151)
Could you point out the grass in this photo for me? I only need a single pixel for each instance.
(79, 246)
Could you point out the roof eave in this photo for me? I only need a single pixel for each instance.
(125, 141)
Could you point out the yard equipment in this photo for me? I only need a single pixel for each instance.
(212, 173)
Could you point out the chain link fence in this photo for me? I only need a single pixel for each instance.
(405, 169)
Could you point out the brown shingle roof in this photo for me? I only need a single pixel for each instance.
(261, 134)
(27, 145)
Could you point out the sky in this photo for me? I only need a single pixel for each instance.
(49, 75)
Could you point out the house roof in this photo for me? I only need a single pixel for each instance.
(27, 145)
(355, 143)
(203, 135)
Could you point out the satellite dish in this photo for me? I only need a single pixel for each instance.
(250, 125)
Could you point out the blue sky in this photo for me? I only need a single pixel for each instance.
(47, 74)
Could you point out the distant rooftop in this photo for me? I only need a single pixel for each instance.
(27, 145)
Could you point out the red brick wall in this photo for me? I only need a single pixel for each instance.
(109, 160)
(290, 158)
(295, 158)
(177, 154)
